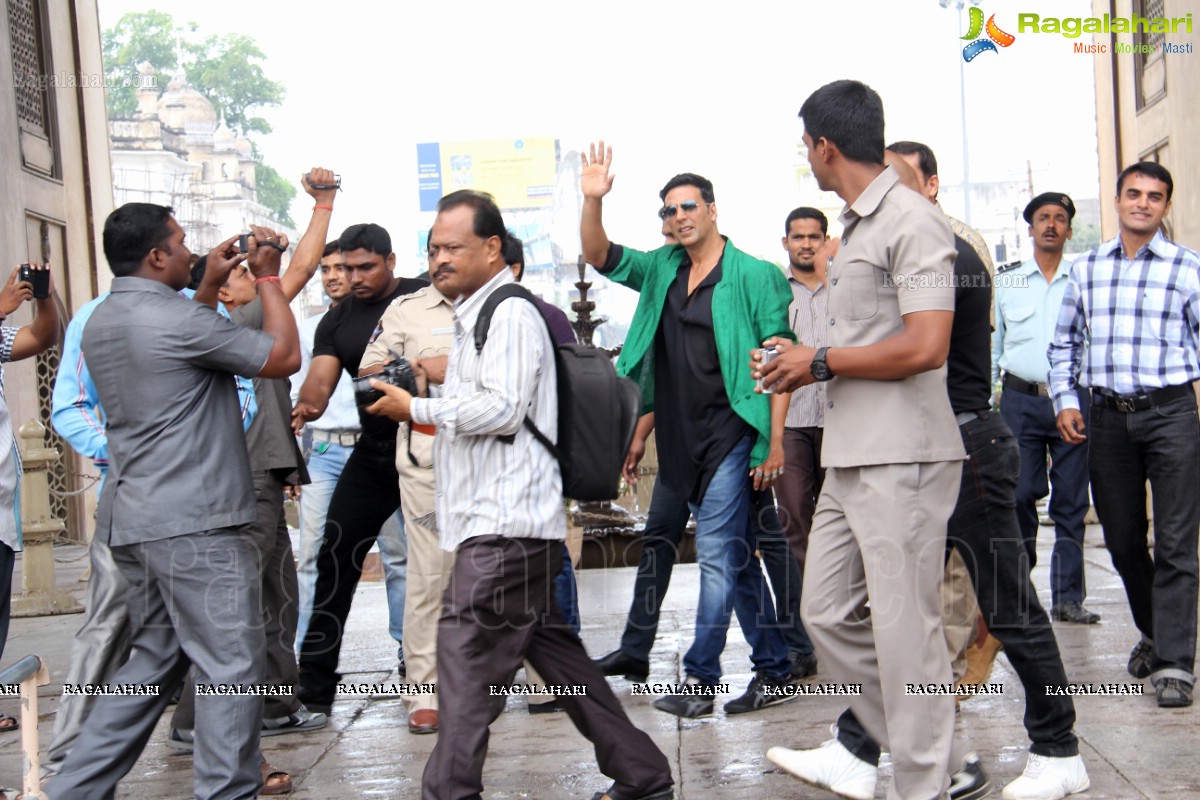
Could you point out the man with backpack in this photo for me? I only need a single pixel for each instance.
(499, 508)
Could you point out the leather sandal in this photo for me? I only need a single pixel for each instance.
(282, 783)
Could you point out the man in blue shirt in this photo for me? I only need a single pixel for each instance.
(1129, 329)
(1028, 297)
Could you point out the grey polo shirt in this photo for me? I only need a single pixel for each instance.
(163, 368)
(896, 258)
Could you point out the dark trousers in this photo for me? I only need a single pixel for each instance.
(7, 561)
(367, 493)
(800, 485)
(269, 536)
(497, 610)
(665, 522)
(983, 528)
(1161, 444)
(783, 572)
(1033, 423)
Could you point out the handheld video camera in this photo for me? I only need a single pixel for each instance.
(38, 278)
(397, 372)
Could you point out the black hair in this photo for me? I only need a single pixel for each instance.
(1151, 169)
(514, 253)
(131, 232)
(198, 272)
(690, 179)
(925, 157)
(331, 248)
(805, 212)
(848, 114)
(487, 222)
(366, 236)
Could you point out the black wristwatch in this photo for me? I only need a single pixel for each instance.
(819, 369)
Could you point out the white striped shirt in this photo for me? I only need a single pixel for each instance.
(485, 485)
(1138, 317)
(809, 316)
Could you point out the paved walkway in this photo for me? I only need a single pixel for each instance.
(1132, 749)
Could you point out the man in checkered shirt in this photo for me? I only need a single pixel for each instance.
(1135, 303)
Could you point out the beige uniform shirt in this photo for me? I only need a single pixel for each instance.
(417, 325)
(896, 258)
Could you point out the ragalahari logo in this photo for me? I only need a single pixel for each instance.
(995, 36)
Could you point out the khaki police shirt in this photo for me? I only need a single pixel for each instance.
(896, 258)
(415, 326)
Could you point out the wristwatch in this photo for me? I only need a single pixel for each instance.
(819, 369)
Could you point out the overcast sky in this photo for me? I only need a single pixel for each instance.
(708, 87)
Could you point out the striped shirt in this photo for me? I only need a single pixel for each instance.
(1140, 318)
(809, 317)
(484, 484)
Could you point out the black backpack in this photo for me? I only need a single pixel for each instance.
(597, 411)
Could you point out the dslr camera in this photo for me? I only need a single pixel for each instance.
(397, 372)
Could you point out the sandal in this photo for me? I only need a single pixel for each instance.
(275, 781)
(8, 723)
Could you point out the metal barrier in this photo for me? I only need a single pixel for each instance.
(28, 673)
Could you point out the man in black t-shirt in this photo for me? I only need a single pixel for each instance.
(368, 490)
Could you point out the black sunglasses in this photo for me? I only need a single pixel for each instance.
(687, 206)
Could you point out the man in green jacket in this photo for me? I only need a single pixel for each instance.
(703, 305)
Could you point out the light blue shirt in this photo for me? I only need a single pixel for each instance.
(75, 407)
(1026, 313)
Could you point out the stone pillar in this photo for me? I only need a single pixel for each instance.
(39, 593)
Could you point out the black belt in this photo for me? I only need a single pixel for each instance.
(1025, 387)
(1141, 402)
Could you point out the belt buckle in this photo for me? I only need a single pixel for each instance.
(1125, 404)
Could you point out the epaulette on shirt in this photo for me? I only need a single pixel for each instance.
(1009, 266)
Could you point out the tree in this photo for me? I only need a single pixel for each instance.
(226, 69)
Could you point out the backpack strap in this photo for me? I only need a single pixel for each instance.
(484, 321)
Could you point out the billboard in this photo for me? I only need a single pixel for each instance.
(519, 173)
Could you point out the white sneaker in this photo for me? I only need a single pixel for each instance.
(1048, 778)
(830, 766)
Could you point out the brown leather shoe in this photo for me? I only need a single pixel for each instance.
(423, 720)
(980, 658)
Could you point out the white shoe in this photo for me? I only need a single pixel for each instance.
(830, 766)
(1048, 778)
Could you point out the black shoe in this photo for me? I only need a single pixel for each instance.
(763, 691)
(803, 665)
(617, 663)
(1139, 659)
(970, 782)
(545, 708)
(316, 702)
(1173, 693)
(181, 740)
(697, 701)
(612, 794)
(1075, 613)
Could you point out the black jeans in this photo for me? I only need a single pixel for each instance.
(367, 493)
(1161, 444)
(984, 530)
(770, 537)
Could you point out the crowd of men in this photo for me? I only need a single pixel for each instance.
(864, 466)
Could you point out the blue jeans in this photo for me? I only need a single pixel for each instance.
(324, 469)
(731, 578)
(566, 594)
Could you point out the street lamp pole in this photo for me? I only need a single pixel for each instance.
(962, 94)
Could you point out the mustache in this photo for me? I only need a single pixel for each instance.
(443, 270)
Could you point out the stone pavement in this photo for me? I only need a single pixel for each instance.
(1132, 749)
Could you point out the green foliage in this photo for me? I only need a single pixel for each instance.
(226, 69)
(1083, 238)
(275, 192)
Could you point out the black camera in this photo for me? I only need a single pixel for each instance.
(38, 278)
(397, 372)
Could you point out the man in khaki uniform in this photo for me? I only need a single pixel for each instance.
(419, 327)
(892, 453)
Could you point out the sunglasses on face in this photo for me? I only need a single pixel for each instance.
(687, 207)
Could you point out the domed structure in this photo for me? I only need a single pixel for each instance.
(180, 104)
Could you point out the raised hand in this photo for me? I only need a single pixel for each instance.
(266, 250)
(319, 176)
(596, 180)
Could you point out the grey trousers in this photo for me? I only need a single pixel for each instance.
(879, 537)
(280, 603)
(192, 600)
(101, 647)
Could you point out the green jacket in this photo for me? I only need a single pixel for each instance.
(750, 305)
